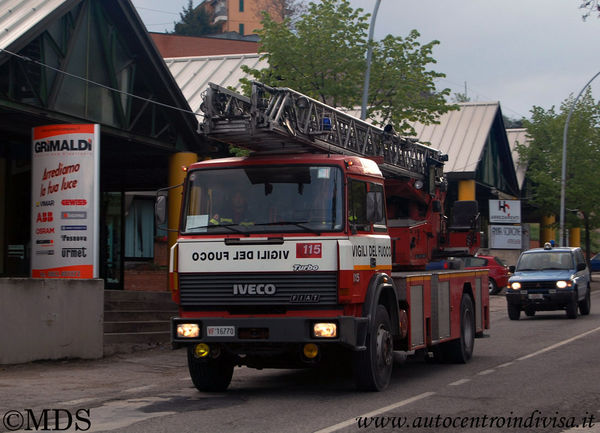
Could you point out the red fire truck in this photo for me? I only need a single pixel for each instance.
(314, 246)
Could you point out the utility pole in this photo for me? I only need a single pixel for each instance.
(365, 97)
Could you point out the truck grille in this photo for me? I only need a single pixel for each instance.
(251, 289)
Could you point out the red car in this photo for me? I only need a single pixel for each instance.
(498, 272)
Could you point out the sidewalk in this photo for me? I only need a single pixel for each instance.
(79, 383)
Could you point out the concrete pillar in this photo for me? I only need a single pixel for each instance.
(176, 176)
(575, 237)
(548, 232)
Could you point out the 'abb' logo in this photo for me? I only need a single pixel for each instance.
(44, 217)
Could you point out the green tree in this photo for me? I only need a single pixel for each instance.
(324, 56)
(195, 22)
(543, 158)
(590, 7)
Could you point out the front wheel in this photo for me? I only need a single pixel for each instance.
(514, 312)
(210, 374)
(373, 366)
(586, 304)
(572, 307)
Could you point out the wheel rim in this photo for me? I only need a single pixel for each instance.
(384, 347)
(468, 332)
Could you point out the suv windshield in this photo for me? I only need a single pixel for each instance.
(261, 199)
(545, 260)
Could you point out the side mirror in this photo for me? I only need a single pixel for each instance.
(581, 267)
(511, 269)
(375, 206)
(160, 210)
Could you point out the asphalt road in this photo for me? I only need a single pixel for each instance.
(537, 374)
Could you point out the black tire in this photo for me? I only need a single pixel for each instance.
(492, 287)
(586, 305)
(514, 312)
(572, 307)
(460, 351)
(210, 374)
(373, 366)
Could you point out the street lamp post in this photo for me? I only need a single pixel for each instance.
(563, 176)
(365, 97)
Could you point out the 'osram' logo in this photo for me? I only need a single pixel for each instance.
(254, 289)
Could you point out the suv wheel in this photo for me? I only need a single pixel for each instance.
(514, 312)
(585, 305)
(572, 307)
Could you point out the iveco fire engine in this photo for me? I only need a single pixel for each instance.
(314, 246)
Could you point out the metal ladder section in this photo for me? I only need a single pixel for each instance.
(280, 119)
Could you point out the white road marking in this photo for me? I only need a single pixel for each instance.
(76, 402)
(559, 344)
(486, 372)
(459, 382)
(376, 412)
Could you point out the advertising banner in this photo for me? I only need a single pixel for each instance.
(65, 201)
(505, 237)
(505, 211)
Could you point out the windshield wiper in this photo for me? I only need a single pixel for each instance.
(227, 226)
(300, 224)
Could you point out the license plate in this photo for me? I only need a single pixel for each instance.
(536, 296)
(220, 331)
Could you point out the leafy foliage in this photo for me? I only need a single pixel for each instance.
(590, 6)
(324, 56)
(195, 22)
(543, 157)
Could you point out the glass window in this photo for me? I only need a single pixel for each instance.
(241, 29)
(357, 204)
(263, 199)
(545, 261)
(242, 6)
(139, 229)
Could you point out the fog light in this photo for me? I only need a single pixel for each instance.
(188, 330)
(325, 330)
(311, 350)
(201, 350)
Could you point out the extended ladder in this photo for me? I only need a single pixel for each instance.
(276, 119)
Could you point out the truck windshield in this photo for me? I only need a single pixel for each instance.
(264, 199)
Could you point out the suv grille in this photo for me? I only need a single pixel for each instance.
(538, 285)
(314, 288)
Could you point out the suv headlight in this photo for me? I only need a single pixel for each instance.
(563, 284)
(515, 285)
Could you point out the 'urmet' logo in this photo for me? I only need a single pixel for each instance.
(62, 145)
(254, 289)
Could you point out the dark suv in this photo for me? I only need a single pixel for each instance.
(549, 279)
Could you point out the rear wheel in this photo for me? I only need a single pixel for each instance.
(460, 351)
(514, 312)
(492, 287)
(373, 366)
(210, 374)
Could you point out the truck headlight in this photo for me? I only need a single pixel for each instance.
(188, 330)
(515, 285)
(325, 330)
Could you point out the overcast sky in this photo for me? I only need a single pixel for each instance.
(519, 52)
